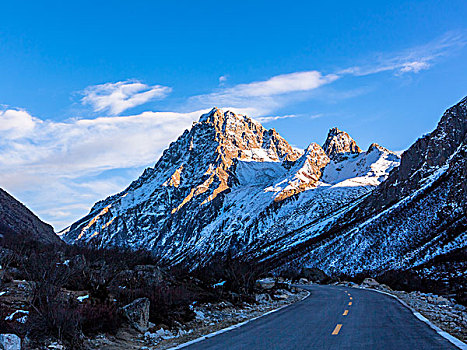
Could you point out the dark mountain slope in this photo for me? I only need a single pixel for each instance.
(16, 217)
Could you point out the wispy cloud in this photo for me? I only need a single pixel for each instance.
(118, 97)
(277, 117)
(412, 60)
(281, 84)
(267, 119)
(262, 97)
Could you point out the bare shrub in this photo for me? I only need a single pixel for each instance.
(99, 318)
(53, 314)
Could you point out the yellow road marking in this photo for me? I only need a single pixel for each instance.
(345, 312)
(337, 329)
(350, 303)
(350, 298)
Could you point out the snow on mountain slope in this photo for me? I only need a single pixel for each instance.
(305, 173)
(413, 219)
(228, 184)
(370, 168)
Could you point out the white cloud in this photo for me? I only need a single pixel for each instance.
(414, 67)
(118, 97)
(16, 123)
(268, 119)
(282, 84)
(86, 146)
(58, 164)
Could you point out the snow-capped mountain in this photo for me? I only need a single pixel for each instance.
(417, 218)
(229, 184)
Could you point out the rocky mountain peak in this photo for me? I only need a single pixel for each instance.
(380, 148)
(340, 143)
(217, 116)
(241, 137)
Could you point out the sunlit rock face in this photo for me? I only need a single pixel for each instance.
(229, 184)
(340, 143)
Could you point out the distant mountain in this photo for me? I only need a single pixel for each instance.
(230, 185)
(16, 218)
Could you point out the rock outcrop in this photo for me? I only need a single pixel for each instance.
(339, 143)
(137, 313)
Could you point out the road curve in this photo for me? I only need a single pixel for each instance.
(372, 321)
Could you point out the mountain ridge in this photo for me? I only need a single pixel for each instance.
(202, 191)
(17, 218)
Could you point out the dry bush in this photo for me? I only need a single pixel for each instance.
(240, 276)
(99, 318)
(54, 315)
(168, 303)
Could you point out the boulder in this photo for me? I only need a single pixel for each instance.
(263, 298)
(370, 282)
(303, 281)
(282, 294)
(442, 301)
(265, 283)
(315, 275)
(137, 313)
(148, 274)
(10, 342)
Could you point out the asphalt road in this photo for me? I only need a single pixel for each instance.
(373, 321)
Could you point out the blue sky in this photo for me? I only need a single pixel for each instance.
(92, 92)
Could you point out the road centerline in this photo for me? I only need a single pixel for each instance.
(345, 313)
(337, 329)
